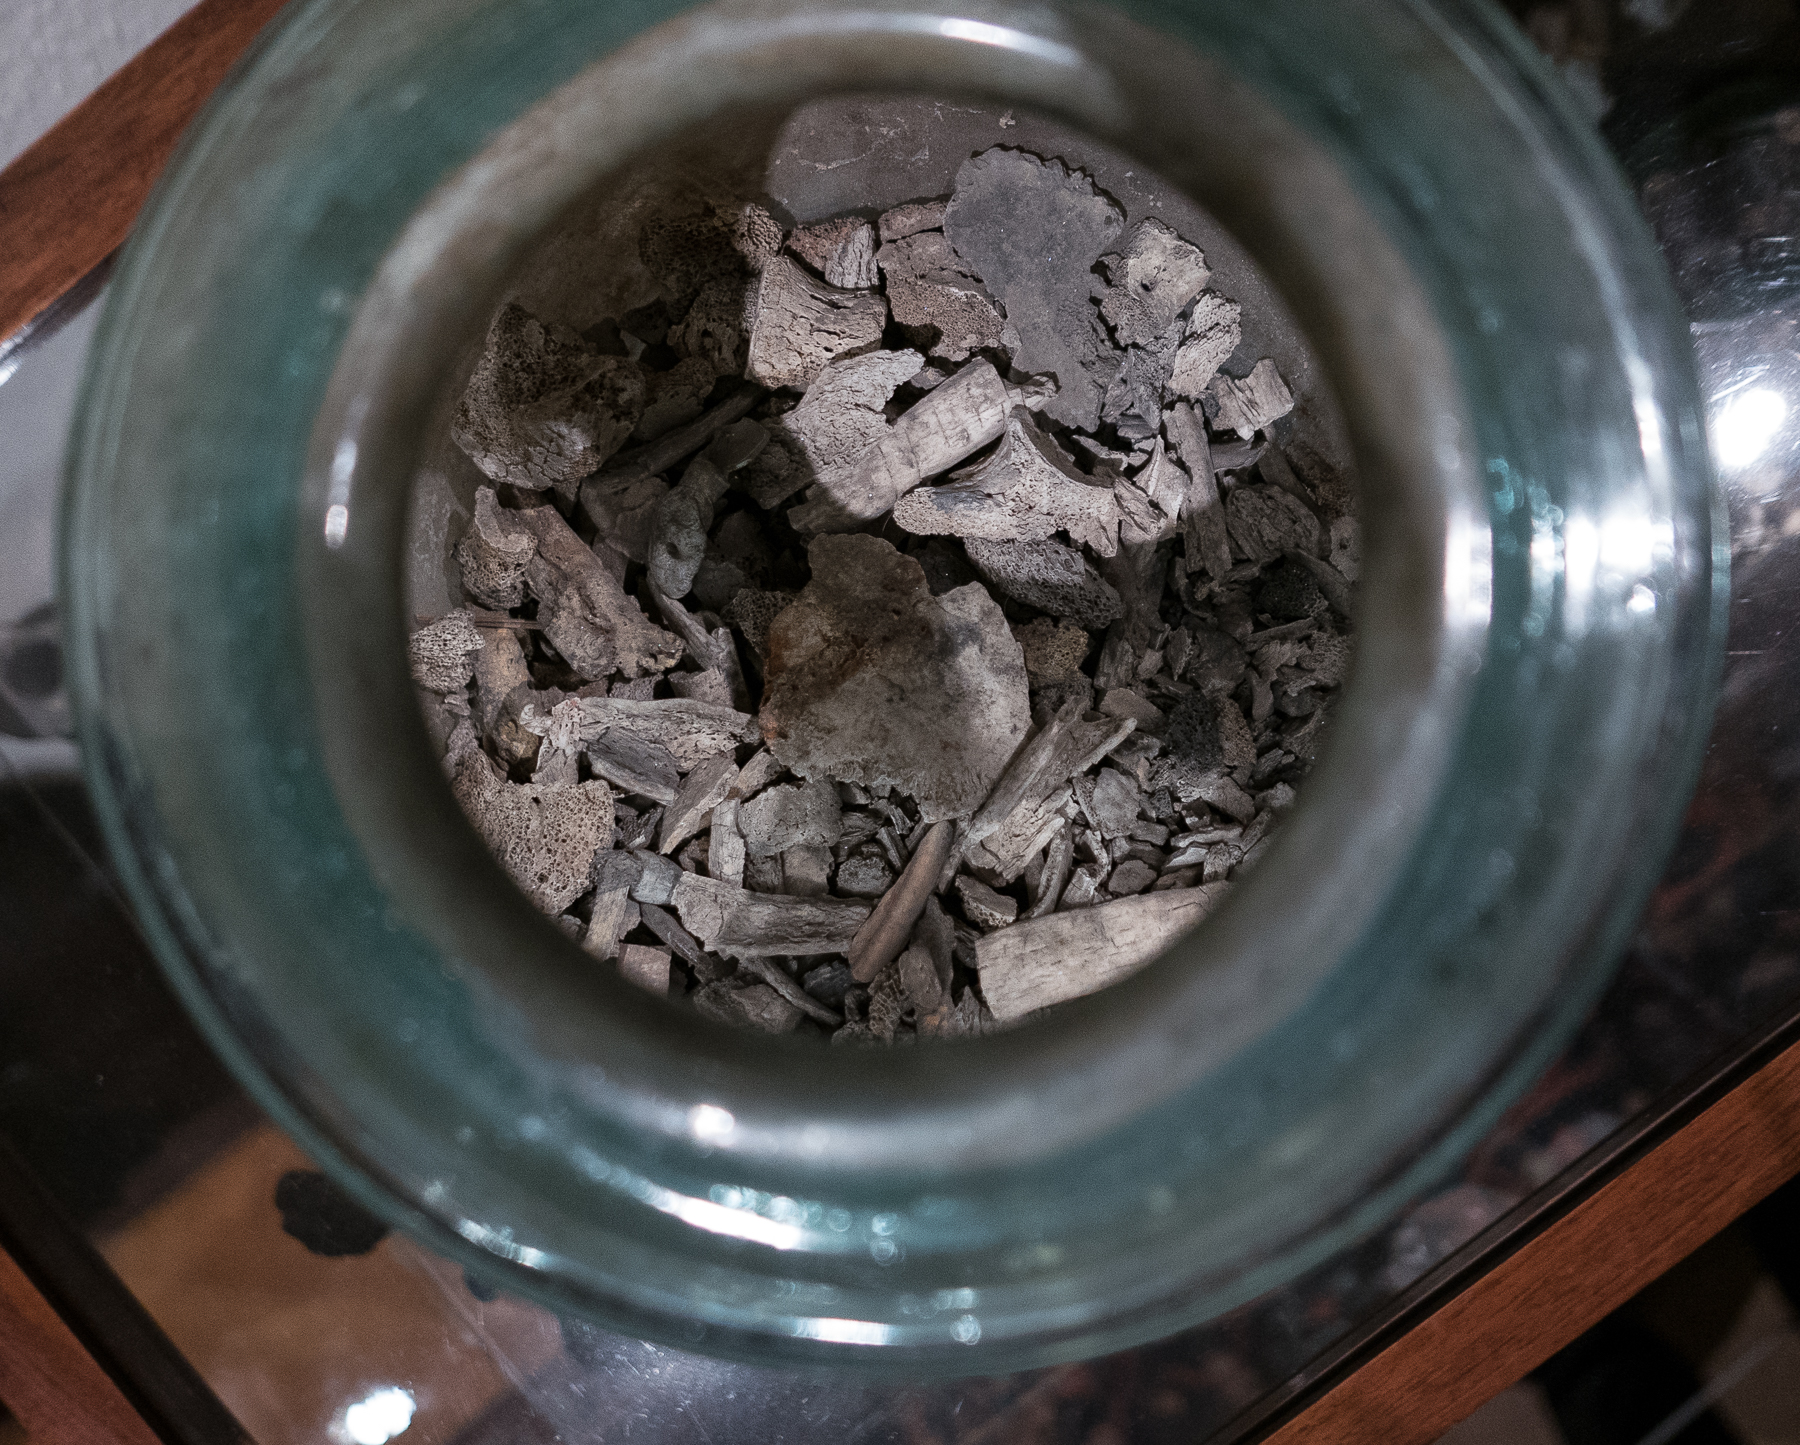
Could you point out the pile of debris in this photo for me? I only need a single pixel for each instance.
(899, 627)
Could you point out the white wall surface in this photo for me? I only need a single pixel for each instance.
(54, 52)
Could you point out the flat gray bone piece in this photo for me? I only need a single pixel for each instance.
(1032, 230)
(634, 764)
(545, 837)
(776, 978)
(1048, 576)
(911, 218)
(1068, 744)
(1027, 491)
(671, 447)
(758, 1007)
(1134, 397)
(613, 875)
(685, 945)
(1266, 522)
(742, 924)
(656, 880)
(1004, 854)
(700, 792)
(1045, 961)
(806, 870)
(593, 623)
(683, 519)
(442, 653)
(842, 251)
(1203, 520)
(873, 680)
(645, 966)
(1212, 333)
(1248, 406)
(543, 408)
(691, 731)
(725, 854)
(499, 669)
(802, 325)
(1153, 277)
(624, 513)
(949, 424)
(492, 554)
(778, 818)
(841, 417)
(929, 289)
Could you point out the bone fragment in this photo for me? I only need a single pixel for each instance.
(1265, 522)
(660, 922)
(742, 924)
(544, 408)
(1032, 230)
(773, 975)
(1045, 961)
(545, 837)
(634, 764)
(872, 680)
(880, 940)
(802, 324)
(1027, 491)
(725, 854)
(442, 654)
(1212, 334)
(984, 907)
(911, 218)
(842, 251)
(1048, 576)
(936, 299)
(613, 874)
(671, 447)
(1203, 521)
(778, 818)
(1067, 745)
(700, 792)
(592, 623)
(691, 731)
(948, 424)
(1248, 406)
(492, 554)
(1154, 276)
(839, 420)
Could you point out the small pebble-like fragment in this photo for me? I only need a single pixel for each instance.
(778, 818)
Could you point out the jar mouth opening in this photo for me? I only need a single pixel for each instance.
(730, 76)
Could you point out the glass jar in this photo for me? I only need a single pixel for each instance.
(1539, 635)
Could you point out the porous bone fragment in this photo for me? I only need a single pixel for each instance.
(802, 324)
(1054, 651)
(545, 837)
(1248, 406)
(951, 422)
(1027, 491)
(1048, 576)
(543, 408)
(873, 680)
(982, 906)
(1032, 230)
(714, 335)
(492, 554)
(778, 818)
(442, 653)
(930, 291)
(1153, 277)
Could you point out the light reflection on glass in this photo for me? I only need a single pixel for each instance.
(844, 1332)
(1745, 425)
(379, 1416)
